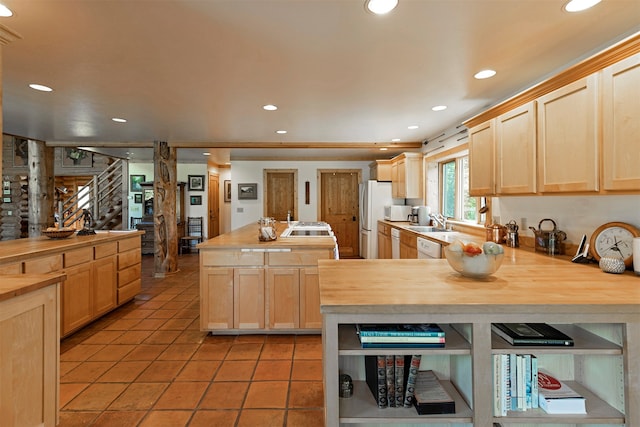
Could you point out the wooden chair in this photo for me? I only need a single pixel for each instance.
(135, 221)
(193, 233)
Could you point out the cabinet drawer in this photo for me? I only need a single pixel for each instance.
(408, 239)
(235, 258)
(127, 292)
(105, 250)
(46, 264)
(384, 228)
(129, 244)
(13, 268)
(307, 257)
(128, 275)
(127, 259)
(78, 256)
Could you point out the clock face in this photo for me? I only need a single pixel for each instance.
(615, 242)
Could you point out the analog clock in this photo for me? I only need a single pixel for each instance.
(614, 239)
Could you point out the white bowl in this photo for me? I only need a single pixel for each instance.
(477, 266)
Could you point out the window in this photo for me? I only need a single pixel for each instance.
(455, 199)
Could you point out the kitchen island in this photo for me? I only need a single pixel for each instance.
(251, 286)
(102, 271)
(29, 349)
(600, 311)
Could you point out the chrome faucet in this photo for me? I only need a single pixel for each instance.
(439, 219)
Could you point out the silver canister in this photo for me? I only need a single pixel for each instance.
(346, 385)
(511, 239)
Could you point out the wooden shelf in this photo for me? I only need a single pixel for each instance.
(362, 408)
(584, 343)
(349, 344)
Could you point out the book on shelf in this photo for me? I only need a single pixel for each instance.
(400, 330)
(399, 381)
(375, 369)
(411, 374)
(398, 339)
(401, 345)
(391, 380)
(514, 388)
(556, 397)
(530, 334)
(430, 396)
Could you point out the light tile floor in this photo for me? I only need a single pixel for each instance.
(148, 364)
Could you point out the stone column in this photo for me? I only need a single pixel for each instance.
(164, 209)
(41, 187)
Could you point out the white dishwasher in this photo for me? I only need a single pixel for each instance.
(428, 249)
(395, 243)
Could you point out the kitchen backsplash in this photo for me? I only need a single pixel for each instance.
(575, 215)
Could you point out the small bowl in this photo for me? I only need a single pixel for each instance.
(58, 234)
(476, 267)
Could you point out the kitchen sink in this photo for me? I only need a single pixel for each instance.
(427, 229)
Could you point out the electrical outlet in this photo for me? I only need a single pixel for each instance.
(240, 210)
(9, 213)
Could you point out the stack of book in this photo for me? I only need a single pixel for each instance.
(515, 383)
(400, 335)
(390, 383)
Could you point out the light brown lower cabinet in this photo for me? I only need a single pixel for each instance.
(261, 292)
(29, 358)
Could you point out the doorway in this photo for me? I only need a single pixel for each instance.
(280, 193)
(214, 206)
(339, 206)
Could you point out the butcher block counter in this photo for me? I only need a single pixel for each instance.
(29, 349)
(101, 271)
(250, 286)
(600, 311)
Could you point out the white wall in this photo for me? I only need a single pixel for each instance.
(247, 211)
(183, 171)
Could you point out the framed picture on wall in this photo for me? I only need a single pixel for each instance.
(227, 191)
(196, 200)
(196, 183)
(135, 182)
(247, 191)
(137, 198)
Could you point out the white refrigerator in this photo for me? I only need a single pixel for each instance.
(374, 196)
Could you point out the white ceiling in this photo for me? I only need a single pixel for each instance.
(197, 72)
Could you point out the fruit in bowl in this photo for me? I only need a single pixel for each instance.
(473, 260)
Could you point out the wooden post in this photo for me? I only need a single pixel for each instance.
(41, 187)
(164, 209)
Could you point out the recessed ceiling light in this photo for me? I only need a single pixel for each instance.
(5, 12)
(395, 140)
(439, 108)
(269, 107)
(281, 131)
(413, 127)
(580, 5)
(380, 7)
(384, 149)
(119, 120)
(484, 74)
(41, 88)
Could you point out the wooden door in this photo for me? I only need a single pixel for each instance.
(104, 285)
(216, 298)
(280, 193)
(77, 298)
(248, 298)
(214, 206)
(283, 286)
(339, 207)
(310, 316)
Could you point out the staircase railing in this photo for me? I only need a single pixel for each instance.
(101, 196)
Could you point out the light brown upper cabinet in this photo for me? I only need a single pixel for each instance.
(380, 170)
(406, 176)
(621, 125)
(516, 151)
(481, 159)
(568, 138)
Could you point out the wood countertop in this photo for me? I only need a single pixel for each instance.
(19, 284)
(23, 249)
(247, 238)
(525, 283)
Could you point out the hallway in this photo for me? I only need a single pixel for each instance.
(147, 364)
